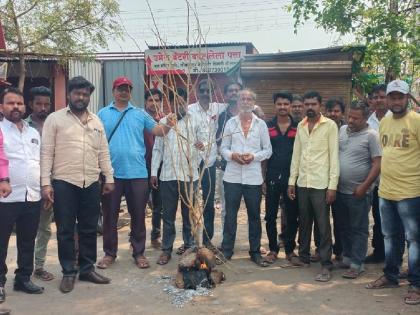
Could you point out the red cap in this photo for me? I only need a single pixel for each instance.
(122, 81)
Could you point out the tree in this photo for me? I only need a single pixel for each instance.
(65, 27)
(387, 27)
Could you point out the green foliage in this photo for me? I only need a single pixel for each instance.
(64, 27)
(387, 27)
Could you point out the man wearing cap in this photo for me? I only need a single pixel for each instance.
(399, 190)
(124, 125)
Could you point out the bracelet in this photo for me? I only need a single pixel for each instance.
(5, 179)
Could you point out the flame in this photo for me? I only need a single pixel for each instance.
(203, 265)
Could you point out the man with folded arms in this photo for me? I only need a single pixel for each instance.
(245, 144)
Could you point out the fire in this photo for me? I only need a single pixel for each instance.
(203, 266)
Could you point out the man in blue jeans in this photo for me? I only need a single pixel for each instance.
(360, 163)
(399, 191)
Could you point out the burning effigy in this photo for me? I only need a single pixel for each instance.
(196, 268)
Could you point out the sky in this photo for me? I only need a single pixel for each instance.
(266, 24)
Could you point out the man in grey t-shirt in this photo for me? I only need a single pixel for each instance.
(360, 162)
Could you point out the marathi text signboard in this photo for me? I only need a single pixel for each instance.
(193, 60)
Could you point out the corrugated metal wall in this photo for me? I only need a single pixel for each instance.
(92, 71)
(133, 69)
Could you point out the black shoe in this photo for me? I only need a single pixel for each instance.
(259, 261)
(2, 294)
(27, 287)
(67, 284)
(374, 259)
(94, 277)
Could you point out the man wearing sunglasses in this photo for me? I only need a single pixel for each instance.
(124, 125)
(207, 113)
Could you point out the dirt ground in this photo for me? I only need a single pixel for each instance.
(248, 289)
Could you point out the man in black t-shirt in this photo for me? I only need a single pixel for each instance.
(282, 130)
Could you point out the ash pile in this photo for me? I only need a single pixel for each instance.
(196, 269)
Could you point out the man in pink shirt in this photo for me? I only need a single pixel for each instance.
(5, 188)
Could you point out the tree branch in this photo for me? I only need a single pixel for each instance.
(17, 27)
(59, 29)
(27, 10)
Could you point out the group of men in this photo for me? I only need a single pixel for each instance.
(76, 160)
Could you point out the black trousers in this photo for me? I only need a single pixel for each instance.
(74, 204)
(208, 186)
(26, 217)
(378, 238)
(252, 196)
(157, 209)
(272, 200)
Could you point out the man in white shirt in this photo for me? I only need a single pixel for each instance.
(381, 110)
(207, 113)
(178, 152)
(245, 144)
(22, 207)
(230, 91)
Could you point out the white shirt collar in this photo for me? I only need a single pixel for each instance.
(11, 125)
